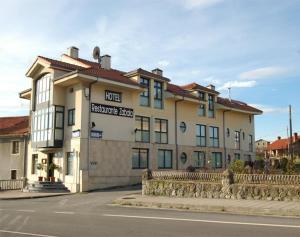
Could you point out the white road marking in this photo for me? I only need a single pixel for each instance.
(64, 212)
(23, 233)
(26, 210)
(15, 220)
(204, 221)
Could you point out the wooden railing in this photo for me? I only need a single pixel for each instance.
(13, 184)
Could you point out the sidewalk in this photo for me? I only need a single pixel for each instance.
(18, 194)
(246, 207)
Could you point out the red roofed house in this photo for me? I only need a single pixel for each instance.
(280, 148)
(13, 146)
(102, 126)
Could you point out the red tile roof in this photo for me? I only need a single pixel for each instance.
(195, 86)
(177, 90)
(146, 73)
(93, 69)
(235, 104)
(61, 64)
(282, 144)
(14, 125)
(112, 75)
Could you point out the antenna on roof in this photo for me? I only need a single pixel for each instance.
(96, 54)
(229, 93)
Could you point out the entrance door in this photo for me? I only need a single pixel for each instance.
(50, 161)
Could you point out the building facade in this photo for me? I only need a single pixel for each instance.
(261, 146)
(102, 126)
(13, 147)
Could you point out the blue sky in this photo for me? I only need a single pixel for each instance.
(251, 46)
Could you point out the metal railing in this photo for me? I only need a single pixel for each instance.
(12, 184)
(267, 179)
(185, 176)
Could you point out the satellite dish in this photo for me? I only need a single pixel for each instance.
(96, 54)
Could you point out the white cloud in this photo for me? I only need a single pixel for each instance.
(267, 109)
(192, 4)
(163, 63)
(261, 73)
(237, 84)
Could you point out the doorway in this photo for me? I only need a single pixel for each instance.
(50, 161)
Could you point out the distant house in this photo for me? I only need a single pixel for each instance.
(261, 146)
(13, 146)
(280, 148)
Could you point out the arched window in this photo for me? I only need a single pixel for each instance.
(183, 157)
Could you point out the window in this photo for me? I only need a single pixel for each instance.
(70, 162)
(15, 147)
(183, 157)
(182, 127)
(214, 136)
(200, 135)
(216, 159)
(237, 140)
(158, 92)
(199, 159)
(237, 156)
(71, 117)
(140, 158)
(145, 96)
(161, 131)
(142, 129)
(202, 110)
(211, 106)
(247, 158)
(42, 90)
(228, 132)
(13, 174)
(250, 143)
(34, 164)
(201, 95)
(164, 159)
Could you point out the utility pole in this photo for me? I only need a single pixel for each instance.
(291, 133)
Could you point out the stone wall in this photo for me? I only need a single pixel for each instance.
(226, 188)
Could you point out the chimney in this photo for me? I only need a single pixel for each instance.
(295, 137)
(106, 62)
(212, 87)
(157, 71)
(278, 137)
(73, 52)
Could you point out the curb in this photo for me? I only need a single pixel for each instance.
(206, 208)
(35, 197)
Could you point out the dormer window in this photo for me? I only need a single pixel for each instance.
(211, 106)
(201, 95)
(158, 95)
(145, 95)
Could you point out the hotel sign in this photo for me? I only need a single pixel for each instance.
(112, 110)
(113, 96)
(96, 134)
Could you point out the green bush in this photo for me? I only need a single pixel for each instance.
(237, 166)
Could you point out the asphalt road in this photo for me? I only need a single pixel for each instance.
(90, 215)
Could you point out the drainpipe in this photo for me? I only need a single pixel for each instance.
(224, 137)
(89, 125)
(25, 157)
(176, 140)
